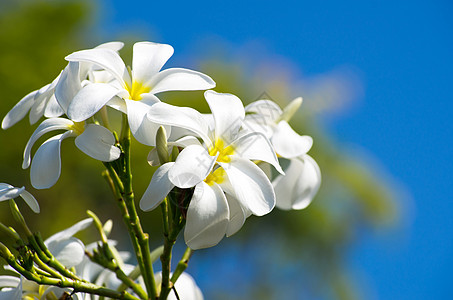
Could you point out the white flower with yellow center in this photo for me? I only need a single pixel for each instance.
(94, 140)
(137, 87)
(302, 179)
(223, 163)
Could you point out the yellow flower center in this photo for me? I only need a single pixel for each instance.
(224, 152)
(78, 127)
(218, 176)
(137, 89)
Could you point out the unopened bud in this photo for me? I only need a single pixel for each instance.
(161, 145)
(290, 109)
(18, 217)
(4, 251)
(9, 232)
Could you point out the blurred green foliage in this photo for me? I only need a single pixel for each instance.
(37, 35)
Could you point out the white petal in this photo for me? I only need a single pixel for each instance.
(148, 59)
(90, 99)
(309, 183)
(19, 110)
(107, 59)
(39, 105)
(184, 117)
(184, 141)
(69, 85)
(237, 216)
(30, 200)
(69, 232)
(207, 217)
(118, 104)
(98, 142)
(268, 110)
(252, 187)
(142, 128)
(186, 288)
(153, 158)
(255, 146)
(8, 191)
(192, 166)
(69, 252)
(297, 188)
(158, 188)
(53, 109)
(46, 166)
(11, 282)
(255, 123)
(43, 128)
(228, 113)
(288, 143)
(115, 46)
(178, 79)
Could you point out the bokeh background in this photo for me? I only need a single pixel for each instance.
(376, 81)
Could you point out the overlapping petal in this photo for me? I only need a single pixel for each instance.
(19, 110)
(98, 142)
(237, 216)
(90, 100)
(255, 146)
(107, 59)
(252, 187)
(53, 108)
(46, 166)
(297, 188)
(289, 143)
(141, 127)
(228, 113)
(148, 59)
(69, 85)
(207, 217)
(267, 110)
(8, 191)
(184, 117)
(43, 128)
(158, 188)
(191, 167)
(179, 79)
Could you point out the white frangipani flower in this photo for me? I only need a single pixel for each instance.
(94, 140)
(8, 192)
(222, 164)
(137, 88)
(43, 102)
(297, 188)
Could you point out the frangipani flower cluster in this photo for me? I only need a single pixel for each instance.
(215, 170)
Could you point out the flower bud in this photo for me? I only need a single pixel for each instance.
(161, 145)
(18, 217)
(290, 109)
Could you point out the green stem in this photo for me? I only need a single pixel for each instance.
(108, 263)
(78, 286)
(121, 177)
(182, 265)
(178, 222)
(48, 258)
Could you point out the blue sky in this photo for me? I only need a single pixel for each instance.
(404, 53)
